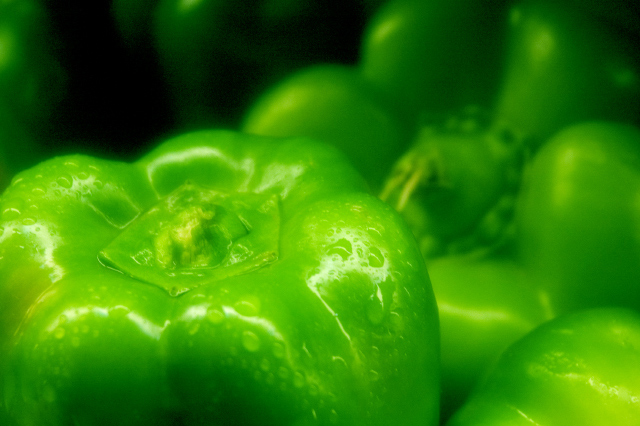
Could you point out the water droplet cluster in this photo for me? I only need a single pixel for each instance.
(55, 186)
(244, 344)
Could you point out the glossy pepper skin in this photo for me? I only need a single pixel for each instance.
(435, 56)
(562, 66)
(333, 103)
(581, 368)
(577, 216)
(485, 304)
(221, 279)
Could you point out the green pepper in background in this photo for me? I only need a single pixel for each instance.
(579, 369)
(459, 198)
(484, 305)
(457, 184)
(373, 110)
(215, 56)
(435, 56)
(334, 104)
(221, 279)
(564, 66)
(566, 231)
(577, 216)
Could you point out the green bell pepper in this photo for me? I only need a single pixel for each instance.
(459, 185)
(577, 217)
(333, 103)
(579, 369)
(371, 110)
(485, 305)
(566, 233)
(457, 189)
(563, 236)
(435, 56)
(221, 279)
(563, 66)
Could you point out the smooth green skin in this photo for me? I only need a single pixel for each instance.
(563, 66)
(485, 304)
(332, 103)
(335, 325)
(577, 217)
(583, 368)
(435, 55)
